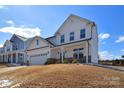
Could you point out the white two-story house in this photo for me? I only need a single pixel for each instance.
(76, 38)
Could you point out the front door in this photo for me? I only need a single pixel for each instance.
(14, 58)
(9, 58)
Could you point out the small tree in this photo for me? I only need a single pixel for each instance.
(122, 61)
(122, 56)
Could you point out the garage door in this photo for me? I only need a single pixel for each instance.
(38, 59)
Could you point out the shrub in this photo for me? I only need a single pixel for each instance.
(106, 62)
(51, 61)
(74, 61)
(122, 62)
(58, 61)
(65, 61)
(116, 62)
(69, 60)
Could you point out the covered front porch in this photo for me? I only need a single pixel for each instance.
(79, 51)
(12, 57)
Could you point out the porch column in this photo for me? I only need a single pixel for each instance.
(0, 57)
(3, 58)
(49, 53)
(11, 58)
(7, 58)
(25, 57)
(62, 54)
(16, 57)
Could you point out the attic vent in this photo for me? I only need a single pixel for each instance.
(71, 20)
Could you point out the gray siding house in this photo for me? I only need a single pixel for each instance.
(13, 50)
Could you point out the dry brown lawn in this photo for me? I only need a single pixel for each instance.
(63, 76)
(3, 65)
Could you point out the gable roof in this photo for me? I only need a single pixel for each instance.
(7, 41)
(20, 37)
(75, 16)
(31, 39)
(49, 42)
(49, 37)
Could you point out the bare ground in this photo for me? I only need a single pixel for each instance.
(3, 65)
(62, 76)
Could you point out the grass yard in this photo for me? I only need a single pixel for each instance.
(3, 65)
(62, 75)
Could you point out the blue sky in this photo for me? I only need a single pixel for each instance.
(45, 20)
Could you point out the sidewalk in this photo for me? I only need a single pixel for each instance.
(2, 70)
(119, 68)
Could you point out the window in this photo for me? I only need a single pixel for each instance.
(75, 54)
(81, 53)
(80, 49)
(37, 42)
(78, 53)
(75, 50)
(82, 33)
(8, 48)
(71, 36)
(62, 38)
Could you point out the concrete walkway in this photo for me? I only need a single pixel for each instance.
(2, 70)
(119, 68)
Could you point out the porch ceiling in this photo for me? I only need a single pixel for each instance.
(78, 44)
(12, 52)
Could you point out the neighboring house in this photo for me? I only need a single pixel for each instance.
(76, 38)
(13, 50)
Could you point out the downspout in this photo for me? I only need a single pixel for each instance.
(88, 51)
(88, 41)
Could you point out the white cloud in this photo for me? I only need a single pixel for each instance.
(104, 36)
(3, 7)
(23, 31)
(1, 45)
(20, 30)
(122, 50)
(120, 39)
(118, 57)
(10, 22)
(104, 55)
